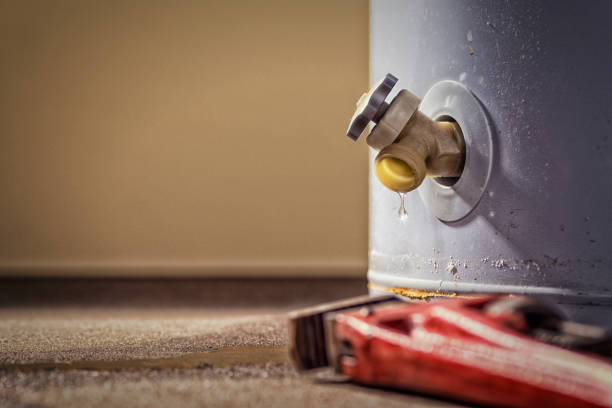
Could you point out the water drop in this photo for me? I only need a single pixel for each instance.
(403, 214)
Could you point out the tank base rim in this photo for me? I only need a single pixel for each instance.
(592, 308)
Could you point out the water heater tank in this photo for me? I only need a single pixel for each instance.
(530, 85)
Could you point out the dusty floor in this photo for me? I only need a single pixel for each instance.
(166, 343)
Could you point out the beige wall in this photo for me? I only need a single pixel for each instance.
(182, 138)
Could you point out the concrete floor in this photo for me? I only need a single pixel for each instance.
(167, 343)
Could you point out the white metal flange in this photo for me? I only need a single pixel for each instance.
(451, 99)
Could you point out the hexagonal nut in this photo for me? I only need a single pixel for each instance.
(450, 147)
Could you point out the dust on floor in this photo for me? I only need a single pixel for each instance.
(192, 352)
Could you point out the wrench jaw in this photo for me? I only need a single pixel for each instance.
(340, 351)
(308, 332)
(332, 344)
(344, 341)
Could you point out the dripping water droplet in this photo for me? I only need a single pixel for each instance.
(403, 214)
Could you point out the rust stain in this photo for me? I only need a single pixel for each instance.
(416, 294)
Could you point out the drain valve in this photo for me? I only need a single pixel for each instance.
(410, 145)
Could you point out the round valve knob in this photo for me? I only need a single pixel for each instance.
(371, 106)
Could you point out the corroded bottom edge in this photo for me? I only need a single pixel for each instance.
(580, 307)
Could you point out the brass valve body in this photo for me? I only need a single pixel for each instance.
(424, 148)
(410, 145)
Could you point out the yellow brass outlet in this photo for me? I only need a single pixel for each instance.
(395, 174)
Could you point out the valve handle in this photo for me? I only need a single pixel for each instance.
(371, 106)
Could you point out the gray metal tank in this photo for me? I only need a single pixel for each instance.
(542, 75)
